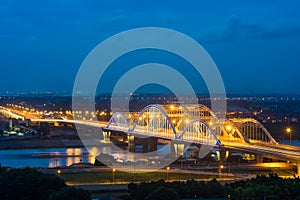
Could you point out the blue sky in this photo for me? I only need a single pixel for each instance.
(254, 43)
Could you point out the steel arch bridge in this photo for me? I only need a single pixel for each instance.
(231, 132)
(244, 135)
(199, 111)
(157, 121)
(253, 130)
(189, 123)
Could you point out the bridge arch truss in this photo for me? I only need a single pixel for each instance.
(254, 131)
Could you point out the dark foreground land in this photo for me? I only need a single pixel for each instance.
(261, 187)
(31, 184)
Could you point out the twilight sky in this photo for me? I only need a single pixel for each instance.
(255, 44)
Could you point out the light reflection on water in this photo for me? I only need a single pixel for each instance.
(54, 157)
(50, 157)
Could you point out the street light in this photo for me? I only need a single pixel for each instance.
(228, 128)
(220, 169)
(113, 174)
(58, 172)
(289, 131)
(172, 107)
(168, 169)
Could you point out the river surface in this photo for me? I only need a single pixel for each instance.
(294, 143)
(50, 157)
(54, 157)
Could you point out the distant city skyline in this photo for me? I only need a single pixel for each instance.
(255, 44)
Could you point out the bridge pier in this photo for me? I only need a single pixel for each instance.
(149, 144)
(259, 159)
(176, 149)
(131, 143)
(106, 136)
(153, 144)
(298, 169)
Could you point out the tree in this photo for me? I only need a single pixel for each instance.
(30, 184)
(163, 193)
(70, 193)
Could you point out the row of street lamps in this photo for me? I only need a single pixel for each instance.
(114, 170)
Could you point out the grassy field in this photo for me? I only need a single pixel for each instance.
(107, 177)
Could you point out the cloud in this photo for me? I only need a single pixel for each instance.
(280, 28)
(236, 28)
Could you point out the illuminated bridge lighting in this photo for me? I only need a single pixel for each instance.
(195, 124)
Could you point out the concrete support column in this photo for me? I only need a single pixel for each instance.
(149, 144)
(173, 152)
(223, 154)
(106, 135)
(177, 149)
(259, 158)
(145, 147)
(131, 143)
(153, 144)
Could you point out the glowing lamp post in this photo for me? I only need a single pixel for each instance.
(113, 175)
(168, 169)
(58, 172)
(228, 129)
(289, 131)
(220, 169)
